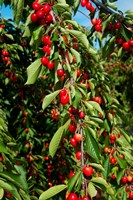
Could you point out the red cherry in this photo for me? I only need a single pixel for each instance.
(129, 178)
(85, 198)
(94, 21)
(97, 99)
(126, 46)
(50, 65)
(124, 179)
(99, 21)
(83, 3)
(88, 170)
(44, 60)
(72, 128)
(71, 174)
(92, 9)
(78, 72)
(88, 5)
(77, 137)
(98, 27)
(130, 42)
(81, 115)
(85, 76)
(46, 40)
(46, 8)
(106, 149)
(63, 92)
(60, 72)
(34, 17)
(72, 196)
(112, 137)
(78, 155)
(47, 50)
(117, 25)
(73, 142)
(36, 6)
(8, 195)
(113, 176)
(40, 14)
(49, 18)
(64, 100)
(5, 53)
(42, 21)
(131, 195)
(113, 160)
(72, 110)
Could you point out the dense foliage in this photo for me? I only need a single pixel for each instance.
(64, 102)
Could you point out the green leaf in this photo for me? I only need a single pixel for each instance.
(93, 53)
(103, 182)
(72, 181)
(92, 190)
(19, 11)
(49, 98)
(126, 33)
(60, 7)
(1, 193)
(120, 175)
(92, 146)
(77, 98)
(82, 38)
(98, 166)
(57, 138)
(3, 148)
(52, 192)
(76, 5)
(122, 163)
(33, 71)
(107, 168)
(89, 106)
(76, 55)
(96, 106)
(112, 5)
(9, 36)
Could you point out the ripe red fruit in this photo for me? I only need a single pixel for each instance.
(97, 99)
(92, 9)
(34, 17)
(72, 128)
(81, 115)
(44, 60)
(46, 8)
(124, 179)
(106, 149)
(47, 50)
(112, 137)
(73, 142)
(64, 99)
(85, 198)
(131, 195)
(63, 92)
(50, 65)
(130, 42)
(46, 40)
(78, 155)
(98, 27)
(71, 174)
(60, 72)
(113, 176)
(40, 14)
(25, 113)
(88, 5)
(77, 137)
(113, 160)
(117, 25)
(99, 21)
(78, 72)
(36, 6)
(49, 18)
(88, 170)
(126, 46)
(94, 21)
(72, 196)
(83, 3)
(5, 53)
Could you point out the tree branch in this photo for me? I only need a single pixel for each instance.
(105, 8)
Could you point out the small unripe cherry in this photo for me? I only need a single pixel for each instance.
(77, 137)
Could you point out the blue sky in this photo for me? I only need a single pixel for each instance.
(122, 5)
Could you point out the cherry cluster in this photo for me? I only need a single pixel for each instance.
(64, 96)
(88, 5)
(41, 13)
(5, 56)
(97, 24)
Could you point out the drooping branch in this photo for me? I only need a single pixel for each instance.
(108, 10)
